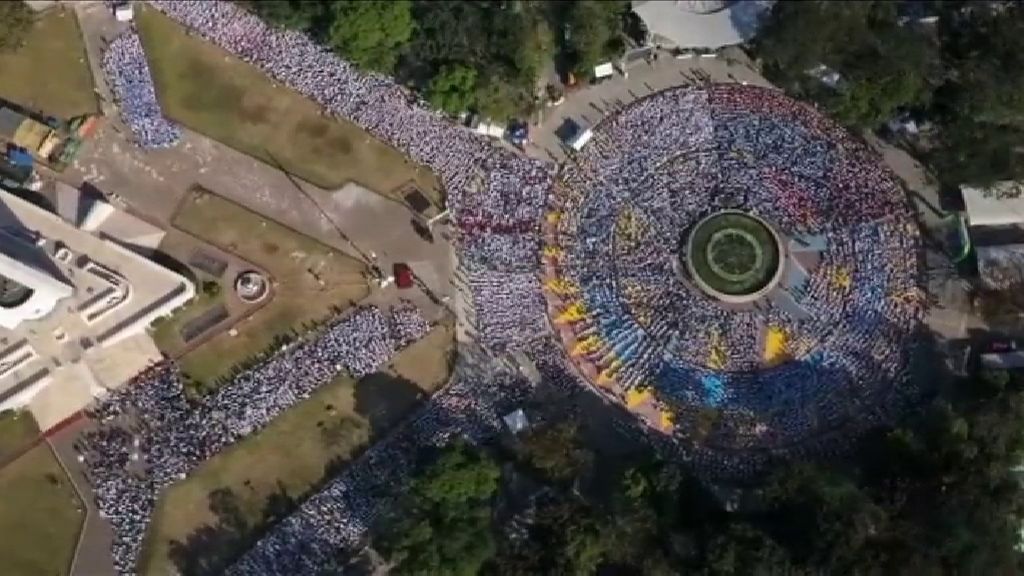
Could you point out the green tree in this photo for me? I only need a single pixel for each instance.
(296, 14)
(556, 451)
(506, 44)
(15, 24)
(444, 526)
(857, 40)
(741, 549)
(452, 89)
(371, 33)
(593, 33)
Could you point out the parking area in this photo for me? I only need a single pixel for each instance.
(586, 106)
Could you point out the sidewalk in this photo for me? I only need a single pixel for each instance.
(93, 557)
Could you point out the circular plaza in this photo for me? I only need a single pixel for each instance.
(736, 270)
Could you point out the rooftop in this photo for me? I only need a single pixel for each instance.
(1001, 204)
(701, 24)
(104, 294)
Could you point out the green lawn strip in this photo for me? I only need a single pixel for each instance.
(232, 495)
(50, 72)
(204, 522)
(166, 330)
(40, 515)
(214, 93)
(17, 430)
(301, 297)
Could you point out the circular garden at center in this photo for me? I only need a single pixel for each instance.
(731, 254)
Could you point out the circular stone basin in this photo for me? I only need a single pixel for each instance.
(251, 287)
(733, 256)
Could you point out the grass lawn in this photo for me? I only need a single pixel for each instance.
(40, 515)
(310, 279)
(17, 429)
(204, 522)
(50, 72)
(216, 94)
(166, 329)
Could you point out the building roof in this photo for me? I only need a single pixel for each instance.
(1001, 204)
(1002, 360)
(516, 421)
(701, 24)
(94, 337)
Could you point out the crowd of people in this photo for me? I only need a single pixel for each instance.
(638, 322)
(609, 232)
(127, 73)
(149, 435)
(496, 196)
(488, 185)
(338, 518)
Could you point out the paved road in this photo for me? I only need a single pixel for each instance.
(93, 555)
(586, 106)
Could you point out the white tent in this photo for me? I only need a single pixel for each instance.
(603, 70)
(1001, 204)
(124, 12)
(516, 421)
(581, 139)
(701, 23)
(492, 129)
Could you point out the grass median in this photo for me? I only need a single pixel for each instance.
(40, 515)
(311, 282)
(50, 72)
(210, 91)
(204, 522)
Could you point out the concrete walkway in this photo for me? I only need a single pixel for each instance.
(92, 557)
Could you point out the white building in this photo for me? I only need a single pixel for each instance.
(701, 24)
(76, 296)
(995, 220)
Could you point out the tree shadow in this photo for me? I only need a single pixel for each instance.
(385, 399)
(210, 548)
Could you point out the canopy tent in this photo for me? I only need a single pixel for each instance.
(701, 24)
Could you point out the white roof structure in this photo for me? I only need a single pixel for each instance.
(701, 23)
(96, 297)
(1001, 204)
(492, 129)
(35, 293)
(516, 421)
(581, 139)
(124, 12)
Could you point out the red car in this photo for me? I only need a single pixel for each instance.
(403, 275)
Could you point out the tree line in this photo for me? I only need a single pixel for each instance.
(463, 55)
(962, 72)
(939, 494)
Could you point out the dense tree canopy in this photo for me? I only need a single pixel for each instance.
(939, 495)
(452, 90)
(593, 32)
(297, 14)
(15, 24)
(444, 526)
(964, 74)
(487, 57)
(860, 41)
(371, 33)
